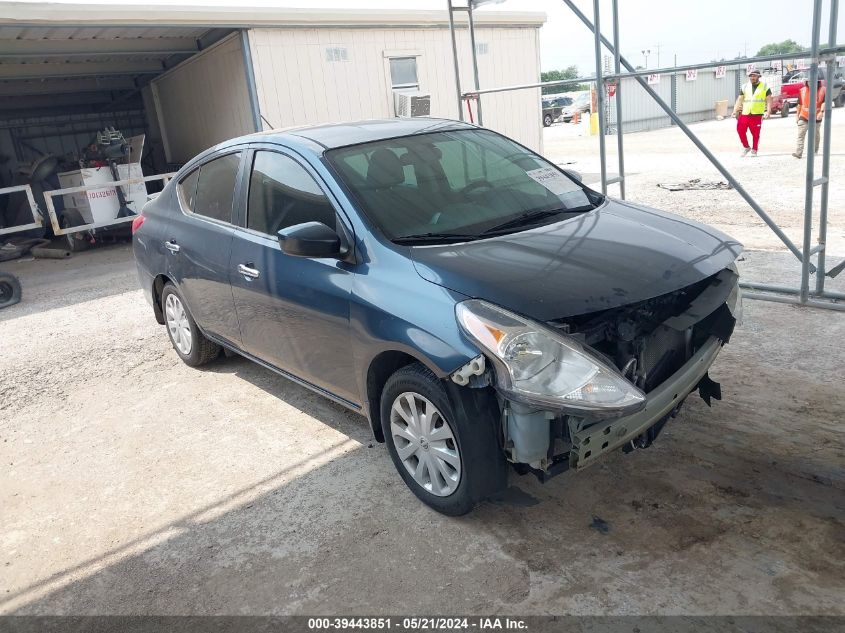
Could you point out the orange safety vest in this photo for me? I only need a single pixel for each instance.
(804, 103)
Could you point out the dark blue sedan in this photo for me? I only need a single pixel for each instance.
(479, 305)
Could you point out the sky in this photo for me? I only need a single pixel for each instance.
(693, 30)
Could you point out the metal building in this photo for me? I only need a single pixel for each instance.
(193, 76)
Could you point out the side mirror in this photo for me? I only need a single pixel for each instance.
(310, 239)
(576, 176)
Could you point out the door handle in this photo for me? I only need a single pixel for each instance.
(173, 247)
(249, 273)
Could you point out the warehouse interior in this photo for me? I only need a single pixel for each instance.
(59, 86)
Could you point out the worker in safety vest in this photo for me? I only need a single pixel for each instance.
(752, 106)
(804, 116)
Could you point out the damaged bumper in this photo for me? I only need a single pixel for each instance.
(664, 346)
(590, 443)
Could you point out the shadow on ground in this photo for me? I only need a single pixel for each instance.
(717, 516)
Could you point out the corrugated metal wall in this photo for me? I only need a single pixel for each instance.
(694, 100)
(23, 140)
(203, 101)
(298, 85)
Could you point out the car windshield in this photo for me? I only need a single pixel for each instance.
(461, 184)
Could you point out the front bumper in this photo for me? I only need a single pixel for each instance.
(591, 443)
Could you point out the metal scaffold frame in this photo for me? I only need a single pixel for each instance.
(805, 295)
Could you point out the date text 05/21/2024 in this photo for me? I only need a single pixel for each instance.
(417, 624)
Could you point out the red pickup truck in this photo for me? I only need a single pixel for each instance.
(791, 86)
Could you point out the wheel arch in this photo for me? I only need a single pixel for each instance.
(158, 286)
(382, 367)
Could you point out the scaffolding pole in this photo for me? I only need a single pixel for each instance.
(451, 10)
(809, 185)
(600, 96)
(620, 152)
(474, 61)
(828, 106)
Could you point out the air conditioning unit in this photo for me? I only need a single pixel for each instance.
(411, 103)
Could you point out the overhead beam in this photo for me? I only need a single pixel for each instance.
(46, 101)
(10, 115)
(96, 47)
(54, 86)
(78, 69)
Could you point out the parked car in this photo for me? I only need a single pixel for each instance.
(581, 103)
(477, 304)
(791, 87)
(553, 108)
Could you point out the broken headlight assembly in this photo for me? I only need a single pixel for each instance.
(541, 367)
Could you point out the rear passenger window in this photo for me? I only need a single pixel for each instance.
(282, 194)
(188, 190)
(216, 187)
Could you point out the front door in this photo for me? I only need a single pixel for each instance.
(199, 245)
(293, 311)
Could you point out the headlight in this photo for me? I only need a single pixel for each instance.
(539, 366)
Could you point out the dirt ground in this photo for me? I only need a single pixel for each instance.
(133, 484)
(775, 179)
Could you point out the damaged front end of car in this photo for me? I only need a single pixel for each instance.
(573, 389)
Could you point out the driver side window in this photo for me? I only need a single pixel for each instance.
(282, 193)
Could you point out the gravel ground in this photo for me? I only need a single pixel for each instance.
(133, 484)
(774, 178)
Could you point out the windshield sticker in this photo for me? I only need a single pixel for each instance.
(551, 179)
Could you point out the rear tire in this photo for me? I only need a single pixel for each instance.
(784, 110)
(187, 340)
(75, 241)
(444, 445)
(10, 290)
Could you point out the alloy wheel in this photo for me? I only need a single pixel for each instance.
(425, 444)
(177, 324)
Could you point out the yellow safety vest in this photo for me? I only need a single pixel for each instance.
(754, 100)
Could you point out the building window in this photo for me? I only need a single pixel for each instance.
(482, 48)
(337, 54)
(403, 73)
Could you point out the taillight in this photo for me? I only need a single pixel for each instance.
(137, 222)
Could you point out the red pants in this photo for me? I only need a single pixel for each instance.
(751, 122)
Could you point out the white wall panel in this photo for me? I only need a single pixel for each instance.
(203, 101)
(296, 84)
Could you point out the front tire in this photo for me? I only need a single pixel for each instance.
(547, 120)
(190, 344)
(784, 110)
(448, 456)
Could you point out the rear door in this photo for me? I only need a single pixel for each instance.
(199, 240)
(293, 311)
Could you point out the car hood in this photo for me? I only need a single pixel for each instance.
(617, 254)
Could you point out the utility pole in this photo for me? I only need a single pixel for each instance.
(657, 46)
(646, 53)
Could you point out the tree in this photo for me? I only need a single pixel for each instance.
(780, 48)
(557, 75)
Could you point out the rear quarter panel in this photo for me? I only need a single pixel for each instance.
(148, 241)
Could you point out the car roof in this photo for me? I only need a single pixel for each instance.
(344, 134)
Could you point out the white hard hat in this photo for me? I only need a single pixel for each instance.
(753, 71)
